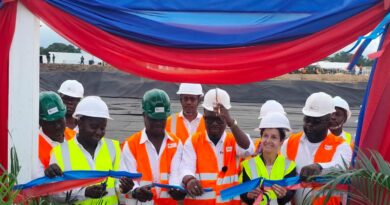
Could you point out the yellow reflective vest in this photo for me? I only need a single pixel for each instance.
(69, 157)
(255, 168)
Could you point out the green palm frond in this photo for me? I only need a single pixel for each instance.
(368, 182)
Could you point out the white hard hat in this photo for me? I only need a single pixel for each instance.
(275, 120)
(271, 106)
(341, 103)
(72, 88)
(190, 89)
(318, 105)
(92, 106)
(215, 96)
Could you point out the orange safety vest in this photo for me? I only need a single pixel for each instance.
(209, 175)
(176, 125)
(141, 157)
(44, 147)
(324, 154)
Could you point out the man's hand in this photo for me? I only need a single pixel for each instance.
(193, 187)
(177, 194)
(53, 170)
(143, 193)
(254, 193)
(126, 184)
(224, 113)
(95, 191)
(279, 191)
(310, 170)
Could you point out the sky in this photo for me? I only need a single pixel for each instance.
(48, 36)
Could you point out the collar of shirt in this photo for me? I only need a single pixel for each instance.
(50, 141)
(198, 116)
(99, 145)
(144, 137)
(221, 140)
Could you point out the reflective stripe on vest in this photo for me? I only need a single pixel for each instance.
(206, 176)
(208, 172)
(324, 153)
(69, 156)
(256, 168)
(173, 124)
(141, 157)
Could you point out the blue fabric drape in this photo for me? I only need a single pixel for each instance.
(213, 23)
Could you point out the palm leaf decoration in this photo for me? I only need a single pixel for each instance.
(368, 182)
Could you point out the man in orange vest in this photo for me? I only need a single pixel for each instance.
(314, 149)
(339, 118)
(189, 120)
(210, 158)
(52, 122)
(155, 153)
(71, 92)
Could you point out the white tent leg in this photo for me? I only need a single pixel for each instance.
(24, 92)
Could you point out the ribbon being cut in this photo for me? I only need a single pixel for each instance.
(73, 179)
(292, 183)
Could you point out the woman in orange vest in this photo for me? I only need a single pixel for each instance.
(210, 158)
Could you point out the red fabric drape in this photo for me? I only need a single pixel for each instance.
(376, 126)
(7, 28)
(218, 66)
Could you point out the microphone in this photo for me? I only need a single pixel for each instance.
(224, 169)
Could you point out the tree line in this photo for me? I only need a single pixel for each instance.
(59, 47)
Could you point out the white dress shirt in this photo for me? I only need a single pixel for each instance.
(305, 156)
(39, 170)
(193, 125)
(188, 164)
(129, 164)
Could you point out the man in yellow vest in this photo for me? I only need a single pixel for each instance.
(71, 92)
(314, 149)
(339, 118)
(52, 123)
(89, 150)
(189, 120)
(155, 153)
(210, 158)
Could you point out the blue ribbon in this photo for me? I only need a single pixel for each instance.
(77, 175)
(248, 186)
(167, 186)
(378, 31)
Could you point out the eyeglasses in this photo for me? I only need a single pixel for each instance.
(210, 120)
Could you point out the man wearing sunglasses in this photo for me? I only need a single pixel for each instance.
(210, 157)
(313, 149)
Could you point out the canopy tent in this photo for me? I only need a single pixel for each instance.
(210, 41)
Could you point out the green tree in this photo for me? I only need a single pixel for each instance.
(60, 47)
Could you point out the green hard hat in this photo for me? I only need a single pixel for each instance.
(51, 107)
(156, 104)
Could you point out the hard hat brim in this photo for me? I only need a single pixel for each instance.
(315, 114)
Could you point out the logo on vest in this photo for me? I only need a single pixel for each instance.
(229, 149)
(328, 147)
(172, 145)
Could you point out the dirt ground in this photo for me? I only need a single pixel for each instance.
(310, 77)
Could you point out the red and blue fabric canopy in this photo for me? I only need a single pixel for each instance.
(209, 41)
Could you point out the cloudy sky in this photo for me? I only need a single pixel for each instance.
(48, 37)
